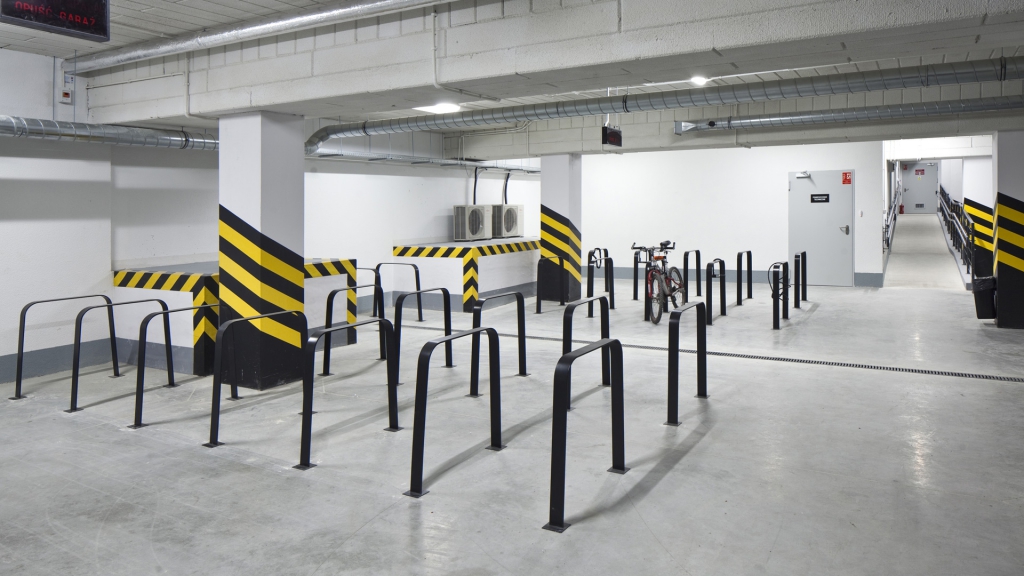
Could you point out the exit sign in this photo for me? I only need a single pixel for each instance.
(87, 19)
(611, 136)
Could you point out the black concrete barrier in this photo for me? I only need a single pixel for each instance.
(378, 298)
(140, 381)
(559, 427)
(673, 359)
(474, 371)
(721, 287)
(218, 363)
(739, 276)
(420, 418)
(77, 353)
(309, 367)
(416, 277)
(20, 361)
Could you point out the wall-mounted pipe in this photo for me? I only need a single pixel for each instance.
(868, 114)
(854, 82)
(15, 127)
(282, 23)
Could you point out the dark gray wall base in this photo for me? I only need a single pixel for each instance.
(433, 300)
(868, 279)
(94, 353)
(760, 276)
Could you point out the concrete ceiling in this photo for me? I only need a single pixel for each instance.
(134, 21)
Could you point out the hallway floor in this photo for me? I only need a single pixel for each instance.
(789, 468)
(920, 257)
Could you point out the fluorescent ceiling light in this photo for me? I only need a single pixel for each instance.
(699, 80)
(442, 108)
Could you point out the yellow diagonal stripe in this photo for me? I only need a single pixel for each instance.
(982, 229)
(204, 327)
(545, 253)
(545, 219)
(264, 259)
(1004, 211)
(153, 280)
(192, 282)
(350, 267)
(170, 281)
(978, 213)
(268, 326)
(119, 276)
(331, 269)
(1005, 235)
(1005, 257)
(136, 277)
(986, 245)
(573, 257)
(312, 271)
(204, 297)
(261, 290)
(469, 294)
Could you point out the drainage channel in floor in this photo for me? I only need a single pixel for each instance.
(780, 359)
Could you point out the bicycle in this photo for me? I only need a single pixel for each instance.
(663, 281)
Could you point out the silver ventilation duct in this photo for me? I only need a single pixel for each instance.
(854, 82)
(242, 31)
(868, 114)
(15, 127)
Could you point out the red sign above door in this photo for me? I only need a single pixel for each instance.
(847, 177)
(919, 172)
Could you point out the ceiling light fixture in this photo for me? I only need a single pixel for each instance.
(699, 80)
(442, 108)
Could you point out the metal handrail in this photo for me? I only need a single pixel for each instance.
(309, 367)
(420, 415)
(673, 359)
(474, 371)
(21, 338)
(77, 352)
(890, 219)
(378, 298)
(140, 381)
(559, 425)
(218, 358)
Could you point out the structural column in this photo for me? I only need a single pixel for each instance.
(261, 245)
(1008, 268)
(561, 188)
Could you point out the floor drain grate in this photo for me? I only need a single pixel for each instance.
(783, 359)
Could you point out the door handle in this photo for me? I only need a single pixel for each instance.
(845, 229)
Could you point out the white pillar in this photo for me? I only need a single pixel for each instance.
(561, 193)
(261, 243)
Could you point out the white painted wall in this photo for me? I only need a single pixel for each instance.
(978, 180)
(931, 148)
(722, 201)
(28, 89)
(951, 177)
(362, 210)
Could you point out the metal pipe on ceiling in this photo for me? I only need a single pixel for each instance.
(849, 83)
(15, 127)
(866, 114)
(281, 23)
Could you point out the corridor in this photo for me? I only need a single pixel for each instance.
(919, 257)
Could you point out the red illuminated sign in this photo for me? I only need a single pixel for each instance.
(847, 177)
(88, 19)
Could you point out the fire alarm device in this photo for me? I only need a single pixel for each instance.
(611, 136)
(847, 177)
(67, 96)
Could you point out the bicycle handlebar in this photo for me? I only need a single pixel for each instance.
(664, 247)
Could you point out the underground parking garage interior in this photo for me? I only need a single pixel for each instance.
(686, 287)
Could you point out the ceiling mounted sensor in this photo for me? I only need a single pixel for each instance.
(442, 108)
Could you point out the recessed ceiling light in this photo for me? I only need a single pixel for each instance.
(699, 80)
(442, 108)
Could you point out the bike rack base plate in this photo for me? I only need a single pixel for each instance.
(134, 427)
(416, 494)
(495, 448)
(213, 444)
(554, 528)
(304, 468)
(617, 471)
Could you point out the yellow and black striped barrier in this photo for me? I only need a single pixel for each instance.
(470, 261)
(337, 267)
(1009, 261)
(983, 236)
(559, 237)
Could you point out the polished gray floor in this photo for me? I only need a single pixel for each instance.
(920, 257)
(787, 469)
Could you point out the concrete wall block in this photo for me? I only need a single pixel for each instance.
(305, 40)
(414, 21)
(267, 48)
(389, 26)
(1013, 88)
(200, 60)
(911, 95)
(462, 12)
(173, 64)
(970, 91)
(361, 56)
(570, 135)
(892, 97)
(623, 120)
(250, 50)
(488, 10)
(345, 34)
(535, 31)
(591, 121)
(323, 37)
(931, 94)
(266, 71)
(991, 89)
(577, 122)
(286, 44)
(232, 54)
(129, 111)
(546, 5)
(873, 99)
(640, 131)
(821, 103)
(773, 107)
(571, 3)
(804, 104)
(787, 105)
(516, 7)
(106, 95)
(217, 56)
(548, 148)
(839, 101)
(366, 29)
(565, 123)
(197, 82)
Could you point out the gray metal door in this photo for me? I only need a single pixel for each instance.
(821, 223)
(920, 182)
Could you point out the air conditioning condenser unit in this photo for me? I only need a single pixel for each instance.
(507, 220)
(472, 222)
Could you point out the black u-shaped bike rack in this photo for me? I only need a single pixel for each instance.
(739, 276)
(779, 292)
(708, 275)
(799, 278)
(420, 418)
(77, 354)
(218, 358)
(447, 323)
(559, 426)
(637, 261)
(378, 310)
(673, 359)
(562, 282)
(416, 277)
(309, 367)
(570, 308)
(686, 273)
(140, 380)
(594, 262)
(20, 362)
(474, 371)
(378, 298)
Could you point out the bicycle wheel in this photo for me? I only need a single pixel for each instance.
(657, 290)
(675, 284)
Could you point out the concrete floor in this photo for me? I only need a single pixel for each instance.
(786, 469)
(920, 257)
